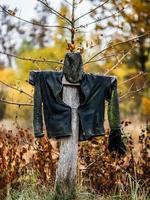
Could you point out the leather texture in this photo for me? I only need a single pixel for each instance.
(94, 91)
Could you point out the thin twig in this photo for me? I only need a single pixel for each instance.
(119, 61)
(117, 44)
(73, 22)
(100, 19)
(15, 103)
(99, 6)
(19, 90)
(134, 77)
(55, 12)
(106, 56)
(130, 93)
(31, 59)
(92, 163)
(33, 22)
(68, 2)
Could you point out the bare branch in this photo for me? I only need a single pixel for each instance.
(33, 22)
(131, 92)
(14, 88)
(134, 77)
(31, 59)
(101, 19)
(99, 6)
(119, 61)
(134, 39)
(73, 22)
(68, 2)
(15, 103)
(55, 12)
(106, 56)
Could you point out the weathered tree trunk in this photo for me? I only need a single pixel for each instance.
(67, 167)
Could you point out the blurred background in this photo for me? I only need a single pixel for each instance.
(26, 33)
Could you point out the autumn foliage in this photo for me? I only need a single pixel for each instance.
(98, 170)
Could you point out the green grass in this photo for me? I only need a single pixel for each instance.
(27, 189)
(31, 193)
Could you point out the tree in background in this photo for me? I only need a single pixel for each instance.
(8, 31)
(132, 18)
(109, 53)
(109, 48)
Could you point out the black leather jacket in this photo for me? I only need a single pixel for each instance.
(94, 90)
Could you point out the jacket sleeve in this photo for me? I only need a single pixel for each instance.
(115, 140)
(35, 80)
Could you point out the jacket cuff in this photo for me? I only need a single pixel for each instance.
(38, 135)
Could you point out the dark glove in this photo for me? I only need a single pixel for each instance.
(116, 143)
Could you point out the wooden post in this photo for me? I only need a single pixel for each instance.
(67, 167)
